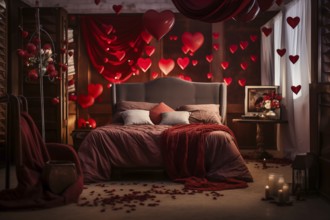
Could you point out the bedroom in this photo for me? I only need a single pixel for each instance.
(166, 47)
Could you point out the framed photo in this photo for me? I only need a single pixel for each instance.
(253, 95)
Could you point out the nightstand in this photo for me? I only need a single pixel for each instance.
(78, 135)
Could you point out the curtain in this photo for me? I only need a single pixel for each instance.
(113, 44)
(294, 137)
(219, 10)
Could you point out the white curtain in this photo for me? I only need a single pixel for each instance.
(294, 137)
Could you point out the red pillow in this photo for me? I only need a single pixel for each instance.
(156, 112)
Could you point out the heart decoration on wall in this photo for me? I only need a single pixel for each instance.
(293, 22)
(216, 46)
(209, 75)
(117, 8)
(95, 90)
(244, 65)
(158, 23)
(144, 63)
(227, 80)
(253, 37)
(209, 58)
(150, 50)
(183, 62)
(243, 44)
(146, 37)
(192, 41)
(254, 58)
(154, 75)
(85, 101)
(166, 65)
(242, 82)
(267, 31)
(215, 35)
(224, 65)
(194, 62)
(233, 48)
(294, 58)
(295, 89)
(185, 49)
(281, 52)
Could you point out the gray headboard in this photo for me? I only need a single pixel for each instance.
(174, 92)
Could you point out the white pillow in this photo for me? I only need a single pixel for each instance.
(136, 117)
(174, 118)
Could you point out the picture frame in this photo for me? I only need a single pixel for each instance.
(252, 94)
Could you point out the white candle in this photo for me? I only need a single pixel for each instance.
(280, 182)
(267, 193)
(271, 184)
(286, 192)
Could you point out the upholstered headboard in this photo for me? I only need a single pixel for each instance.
(174, 92)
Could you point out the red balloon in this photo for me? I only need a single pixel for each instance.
(92, 122)
(192, 41)
(81, 122)
(144, 63)
(95, 90)
(158, 23)
(182, 62)
(85, 101)
(166, 65)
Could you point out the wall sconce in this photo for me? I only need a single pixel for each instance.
(301, 167)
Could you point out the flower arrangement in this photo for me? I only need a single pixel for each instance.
(269, 101)
(33, 57)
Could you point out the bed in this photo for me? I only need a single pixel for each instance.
(149, 130)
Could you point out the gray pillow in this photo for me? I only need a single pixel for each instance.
(136, 117)
(174, 118)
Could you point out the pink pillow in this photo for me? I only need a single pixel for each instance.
(156, 112)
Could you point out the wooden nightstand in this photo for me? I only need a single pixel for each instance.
(78, 135)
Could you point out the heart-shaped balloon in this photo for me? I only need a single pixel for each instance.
(185, 49)
(144, 63)
(243, 44)
(158, 23)
(146, 37)
(294, 58)
(209, 75)
(192, 41)
(227, 80)
(117, 8)
(194, 62)
(85, 101)
(95, 90)
(281, 52)
(295, 89)
(293, 22)
(166, 65)
(244, 65)
(209, 58)
(92, 122)
(267, 31)
(242, 82)
(183, 62)
(224, 65)
(149, 50)
(233, 48)
(215, 35)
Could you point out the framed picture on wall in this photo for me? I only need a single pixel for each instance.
(254, 95)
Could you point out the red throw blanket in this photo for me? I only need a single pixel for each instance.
(184, 156)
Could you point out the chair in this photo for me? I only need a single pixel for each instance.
(33, 158)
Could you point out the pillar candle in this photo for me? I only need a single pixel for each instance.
(280, 196)
(286, 192)
(280, 182)
(272, 184)
(267, 192)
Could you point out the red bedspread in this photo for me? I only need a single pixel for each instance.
(184, 157)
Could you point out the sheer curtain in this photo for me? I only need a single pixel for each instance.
(294, 137)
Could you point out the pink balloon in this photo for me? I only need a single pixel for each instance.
(158, 23)
(192, 41)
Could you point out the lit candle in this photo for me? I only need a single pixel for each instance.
(271, 184)
(280, 196)
(280, 182)
(286, 193)
(267, 193)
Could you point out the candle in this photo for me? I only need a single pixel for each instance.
(286, 193)
(280, 196)
(280, 182)
(271, 184)
(267, 193)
